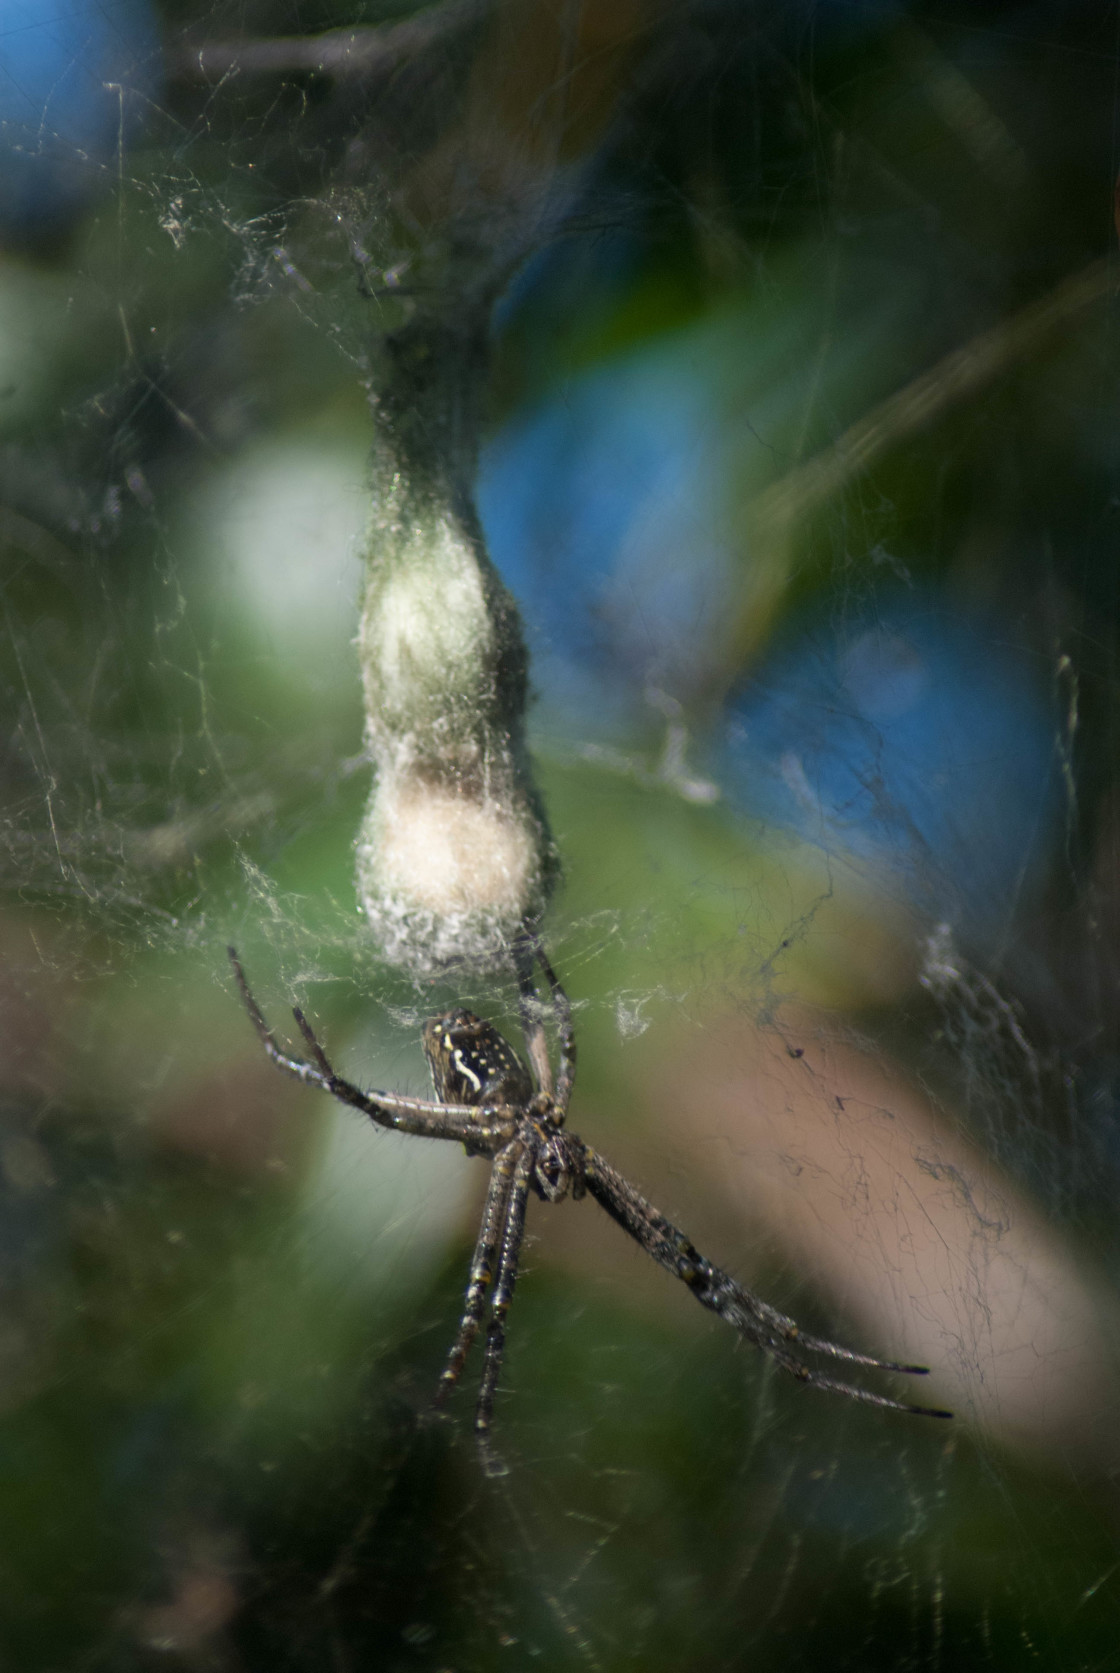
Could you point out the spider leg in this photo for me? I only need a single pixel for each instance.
(757, 1322)
(293, 1065)
(532, 1023)
(313, 1045)
(820, 1345)
(481, 1127)
(491, 1234)
(528, 948)
(508, 1261)
(831, 1385)
(566, 1069)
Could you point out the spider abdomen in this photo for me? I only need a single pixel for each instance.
(471, 1063)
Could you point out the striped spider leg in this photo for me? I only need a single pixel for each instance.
(495, 1105)
(756, 1321)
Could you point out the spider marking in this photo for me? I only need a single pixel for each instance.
(494, 1104)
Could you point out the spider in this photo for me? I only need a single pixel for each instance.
(487, 1100)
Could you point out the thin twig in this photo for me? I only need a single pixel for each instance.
(960, 374)
(342, 53)
(775, 513)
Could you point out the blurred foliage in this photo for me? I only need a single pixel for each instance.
(804, 346)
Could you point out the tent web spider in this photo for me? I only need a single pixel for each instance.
(486, 1099)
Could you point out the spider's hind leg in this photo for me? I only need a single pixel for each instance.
(532, 1022)
(306, 1072)
(527, 952)
(312, 1044)
(562, 1010)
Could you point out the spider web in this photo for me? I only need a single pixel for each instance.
(801, 461)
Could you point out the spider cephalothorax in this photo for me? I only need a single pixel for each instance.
(491, 1102)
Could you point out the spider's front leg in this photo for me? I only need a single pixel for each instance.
(492, 1233)
(503, 1288)
(715, 1289)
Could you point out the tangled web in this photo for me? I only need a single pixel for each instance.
(798, 455)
